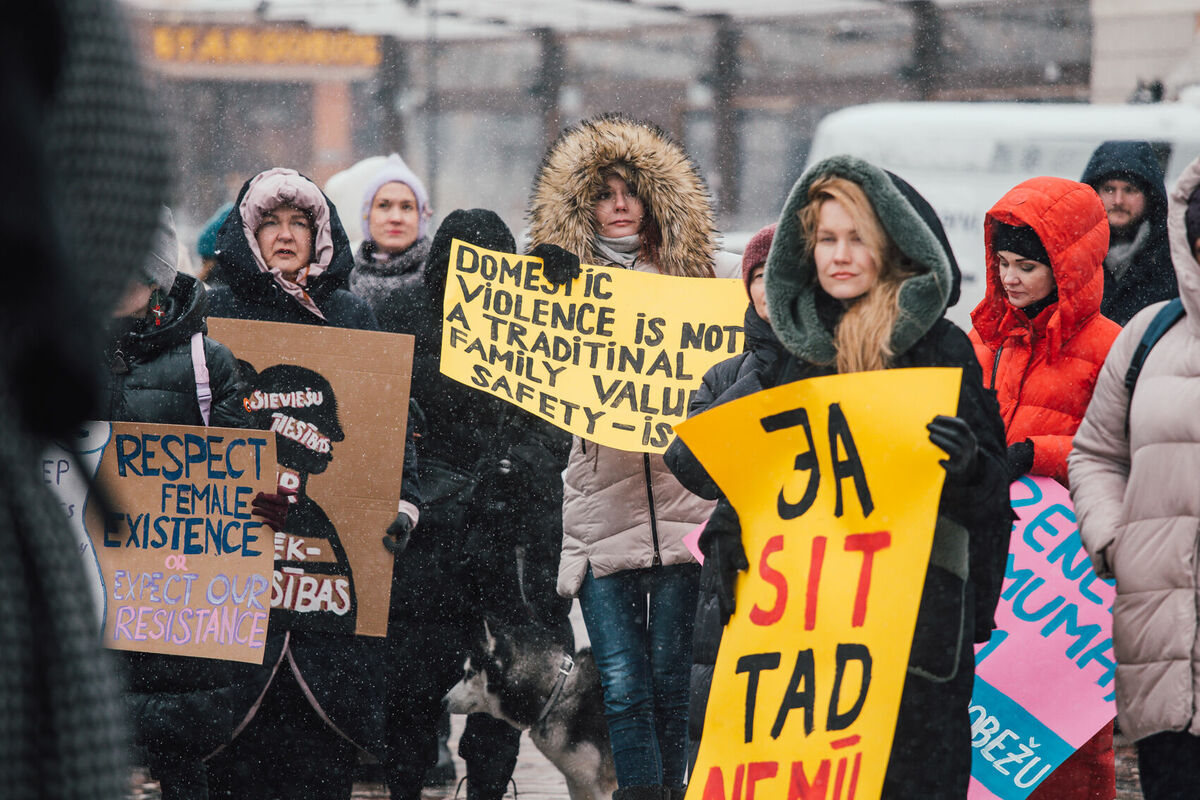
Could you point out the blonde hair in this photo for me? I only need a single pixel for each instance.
(863, 337)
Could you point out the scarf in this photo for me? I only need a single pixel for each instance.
(1121, 254)
(377, 276)
(622, 251)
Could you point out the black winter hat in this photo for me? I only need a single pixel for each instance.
(477, 226)
(1019, 239)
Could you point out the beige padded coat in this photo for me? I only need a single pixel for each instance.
(624, 510)
(1138, 501)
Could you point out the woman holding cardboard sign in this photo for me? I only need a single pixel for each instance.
(858, 277)
(624, 513)
(1041, 340)
(321, 695)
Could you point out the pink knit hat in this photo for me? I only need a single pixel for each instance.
(756, 251)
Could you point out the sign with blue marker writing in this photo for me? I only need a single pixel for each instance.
(178, 562)
(1044, 682)
(613, 356)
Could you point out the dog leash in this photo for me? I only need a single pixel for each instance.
(564, 669)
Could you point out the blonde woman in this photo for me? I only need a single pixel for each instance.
(858, 277)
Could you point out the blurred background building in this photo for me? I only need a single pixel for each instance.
(470, 92)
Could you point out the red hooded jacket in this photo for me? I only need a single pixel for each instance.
(1045, 369)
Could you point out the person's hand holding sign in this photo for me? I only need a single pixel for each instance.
(398, 533)
(953, 435)
(273, 508)
(721, 542)
(558, 265)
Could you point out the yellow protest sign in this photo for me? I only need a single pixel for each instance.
(837, 516)
(613, 356)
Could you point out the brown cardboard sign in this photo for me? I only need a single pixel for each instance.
(337, 400)
(182, 566)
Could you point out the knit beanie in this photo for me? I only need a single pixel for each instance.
(160, 265)
(206, 243)
(1191, 218)
(394, 169)
(1019, 239)
(756, 251)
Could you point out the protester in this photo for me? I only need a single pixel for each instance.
(858, 277)
(621, 192)
(1040, 340)
(1137, 268)
(490, 532)
(389, 274)
(1132, 474)
(735, 377)
(86, 166)
(182, 709)
(321, 695)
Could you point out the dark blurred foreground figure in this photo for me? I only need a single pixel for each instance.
(1137, 267)
(85, 172)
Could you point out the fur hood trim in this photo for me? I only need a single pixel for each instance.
(657, 167)
(790, 273)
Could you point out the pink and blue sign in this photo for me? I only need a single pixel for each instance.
(1044, 682)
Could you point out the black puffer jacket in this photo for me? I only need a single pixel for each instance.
(181, 708)
(1151, 277)
(151, 377)
(250, 293)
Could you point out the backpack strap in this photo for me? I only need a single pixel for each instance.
(200, 369)
(1167, 316)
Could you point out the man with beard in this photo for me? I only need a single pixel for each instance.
(1137, 270)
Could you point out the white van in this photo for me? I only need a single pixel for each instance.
(963, 157)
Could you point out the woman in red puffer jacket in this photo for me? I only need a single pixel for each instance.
(1041, 340)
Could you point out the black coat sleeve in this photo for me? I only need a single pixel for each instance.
(979, 502)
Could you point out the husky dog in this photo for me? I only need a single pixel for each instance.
(524, 676)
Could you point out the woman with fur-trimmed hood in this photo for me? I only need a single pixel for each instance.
(858, 278)
(622, 192)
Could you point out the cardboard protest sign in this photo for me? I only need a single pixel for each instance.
(178, 564)
(338, 401)
(1044, 681)
(837, 511)
(613, 356)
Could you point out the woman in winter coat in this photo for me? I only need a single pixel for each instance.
(1133, 472)
(320, 696)
(742, 375)
(490, 528)
(623, 193)
(389, 262)
(182, 709)
(858, 277)
(1041, 339)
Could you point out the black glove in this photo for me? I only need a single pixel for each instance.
(398, 533)
(954, 435)
(721, 543)
(558, 265)
(1020, 459)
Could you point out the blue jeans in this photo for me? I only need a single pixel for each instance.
(640, 626)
